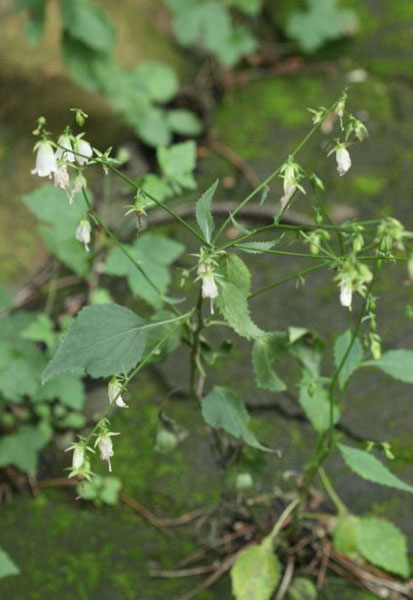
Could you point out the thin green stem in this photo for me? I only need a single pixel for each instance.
(159, 203)
(270, 286)
(338, 503)
(283, 517)
(296, 254)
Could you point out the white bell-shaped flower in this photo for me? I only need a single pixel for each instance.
(209, 286)
(114, 395)
(78, 457)
(65, 149)
(61, 177)
(46, 163)
(83, 233)
(106, 448)
(346, 294)
(343, 160)
(83, 151)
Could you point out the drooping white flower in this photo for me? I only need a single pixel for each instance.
(61, 177)
(209, 286)
(65, 149)
(114, 389)
(83, 233)
(346, 294)
(46, 163)
(106, 448)
(79, 184)
(85, 151)
(78, 457)
(343, 160)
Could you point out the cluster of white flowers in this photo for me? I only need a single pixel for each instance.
(55, 162)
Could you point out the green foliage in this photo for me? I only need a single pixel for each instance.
(383, 544)
(353, 359)
(154, 253)
(207, 24)
(396, 363)
(184, 122)
(322, 22)
(249, 7)
(34, 26)
(177, 164)
(314, 400)
(159, 81)
(87, 23)
(7, 566)
(256, 573)
(345, 536)
(302, 589)
(267, 349)
(58, 222)
(224, 408)
(101, 490)
(105, 339)
(369, 467)
(203, 212)
(68, 387)
(235, 284)
(21, 448)
(255, 247)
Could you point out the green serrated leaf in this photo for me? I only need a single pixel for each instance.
(314, 400)
(369, 467)
(21, 449)
(255, 247)
(41, 330)
(203, 212)
(224, 408)
(237, 273)
(59, 221)
(184, 122)
(87, 23)
(178, 162)
(105, 339)
(233, 304)
(345, 536)
(267, 350)
(66, 387)
(159, 80)
(154, 253)
(396, 363)
(7, 566)
(353, 359)
(382, 544)
(256, 573)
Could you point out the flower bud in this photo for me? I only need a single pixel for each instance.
(343, 160)
(84, 150)
(61, 177)
(83, 233)
(346, 294)
(106, 448)
(114, 389)
(46, 163)
(209, 286)
(244, 482)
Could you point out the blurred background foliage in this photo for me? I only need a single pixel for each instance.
(184, 90)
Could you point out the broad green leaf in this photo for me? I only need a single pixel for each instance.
(314, 400)
(307, 347)
(203, 212)
(249, 7)
(153, 128)
(159, 79)
(382, 544)
(353, 359)
(345, 536)
(105, 339)
(21, 449)
(59, 221)
(233, 304)
(396, 363)
(184, 122)
(302, 589)
(240, 42)
(100, 490)
(323, 21)
(267, 349)
(256, 573)
(369, 467)
(6, 301)
(82, 62)
(224, 408)
(66, 387)
(157, 187)
(154, 253)
(86, 22)
(7, 566)
(41, 330)
(178, 162)
(237, 273)
(255, 247)
(34, 25)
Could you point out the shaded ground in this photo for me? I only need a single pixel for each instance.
(106, 552)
